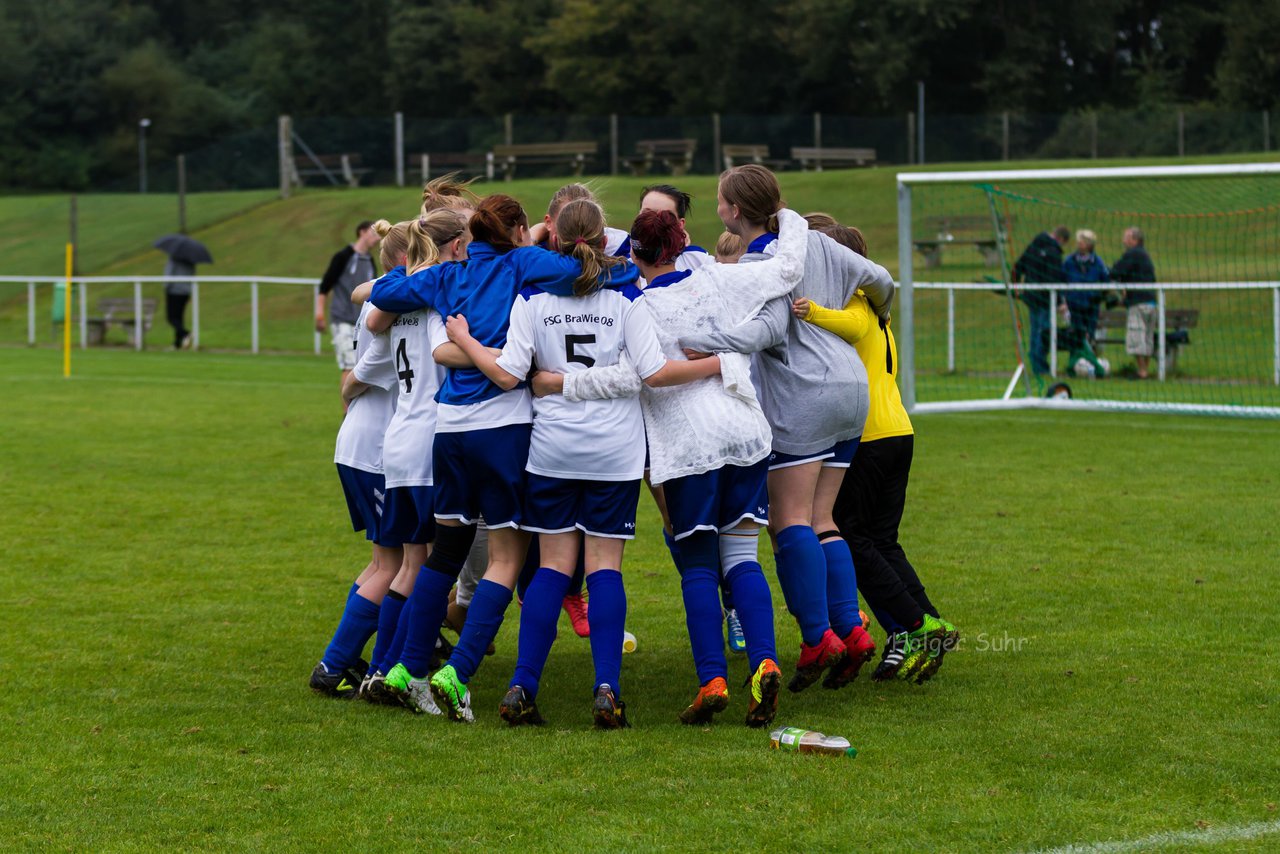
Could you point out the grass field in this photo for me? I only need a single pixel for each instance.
(177, 551)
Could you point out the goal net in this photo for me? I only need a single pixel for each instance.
(1145, 288)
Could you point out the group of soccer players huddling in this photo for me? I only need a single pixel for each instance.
(516, 383)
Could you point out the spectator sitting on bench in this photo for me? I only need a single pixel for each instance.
(1041, 263)
(1135, 267)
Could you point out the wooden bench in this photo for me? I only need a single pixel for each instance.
(442, 163)
(737, 155)
(814, 159)
(118, 311)
(973, 230)
(571, 154)
(676, 155)
(346, 165)
(1178, 322)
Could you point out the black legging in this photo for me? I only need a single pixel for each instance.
(175, 306)
(868, 511)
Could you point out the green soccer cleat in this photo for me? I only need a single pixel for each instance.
(451, 695)
(950, 640)
(920, 645)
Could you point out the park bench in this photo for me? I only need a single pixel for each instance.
(329, 165)
(735, 154)
(1177, 325)
(118, 311)
(815, 159)
(973, 230)
(676, 155)
(571, 154)
(442, 163)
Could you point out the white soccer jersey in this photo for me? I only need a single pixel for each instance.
(360, 438)
(618, 244)
(406, 456)
(588, 439)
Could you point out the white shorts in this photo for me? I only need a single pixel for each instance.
(1140, 331)
(344, 344)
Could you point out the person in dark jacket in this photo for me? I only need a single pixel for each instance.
(1040, 263)
(350, 267)
(1135, 267)
(1085, 267)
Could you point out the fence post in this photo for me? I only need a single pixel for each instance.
(716, 145)
(75, 235)
(1093, 135)
(31, 313)
(817, 135)
(1053, 333)
(911, 138)
(906, 302)
(613, 143)
(1004, 134)
(182, 194)
(1160, 333)
(508, 129)
(84, 316)
(400, 149)
(1275, 335)
(1266, 130)
(317, 293)
(425, 166)
(951, 330)
(253, 314)
(195, 315)
(1182, 135)
(920, 119)
(284, 141)
(138, 331)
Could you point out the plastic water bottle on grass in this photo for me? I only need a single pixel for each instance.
(800, 740)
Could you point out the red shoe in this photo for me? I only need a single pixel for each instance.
(829, 652)
(859, 648)
(576, 607)
(712, 698)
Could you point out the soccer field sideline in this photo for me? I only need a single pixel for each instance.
(201, 557)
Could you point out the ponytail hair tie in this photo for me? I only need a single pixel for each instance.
(579, 240)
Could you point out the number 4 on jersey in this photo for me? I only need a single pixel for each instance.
(403, 369)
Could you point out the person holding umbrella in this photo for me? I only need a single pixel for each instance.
(184, 253)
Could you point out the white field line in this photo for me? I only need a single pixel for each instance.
(1156, 841)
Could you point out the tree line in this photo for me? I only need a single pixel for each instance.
(78, 75)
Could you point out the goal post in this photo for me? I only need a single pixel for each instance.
(1148, 289)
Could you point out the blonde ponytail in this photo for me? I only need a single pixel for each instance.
(580, 234)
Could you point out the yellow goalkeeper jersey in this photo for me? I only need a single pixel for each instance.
(857, 324)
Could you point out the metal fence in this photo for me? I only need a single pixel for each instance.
(388, 150)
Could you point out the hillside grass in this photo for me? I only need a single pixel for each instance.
(177, 554)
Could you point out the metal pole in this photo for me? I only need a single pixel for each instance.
(817, 137)
(911, 137)
(75, 235)
(195, 315)
(84, 316)
(613, 143)
(1160, 295)
(1275, 335)
(1093, 127)
(905, 307)
(137, 316)
(1266, 130)
(1004, 135)
(182, 194)
(1053, 332)
(284, 142)
(1182, 133)
(143, 124)
(317, 293)
(508, 129)
(31, 313)
(716, 156)
(951, 330)
(400, 150)
(920, 120)
(253, 313)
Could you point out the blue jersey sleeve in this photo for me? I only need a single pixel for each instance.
(555, 273)
(402, 294)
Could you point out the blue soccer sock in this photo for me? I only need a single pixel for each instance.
(359, 622)
(430, 601)
(538, 620)
(700, 587)
(842, 587)
(392, 655)
(755, 611)
(484, 618)
(802, 574)
(388, 620)
(355, 588)
(608, 618)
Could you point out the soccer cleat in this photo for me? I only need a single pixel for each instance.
(374, 690)
(829, 652)
(343, 684)
(519, 708)
(419, 699)
(859, 648)
(766, 682)
(895, 649)
(452, 695)
(866, 621)
(950, 640)
(576, 607)
(921, 643)
(608, 711)
(737, 640)
(712, 698)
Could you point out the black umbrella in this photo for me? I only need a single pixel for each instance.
(179, 247)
